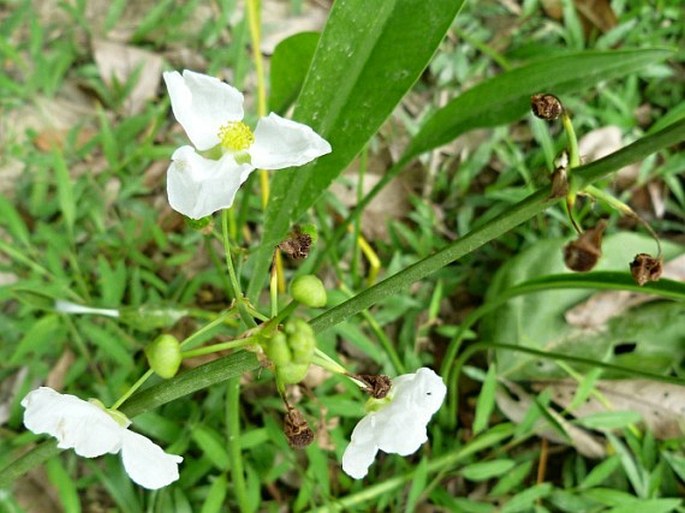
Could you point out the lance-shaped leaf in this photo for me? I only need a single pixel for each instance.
(369, 56)
(506, 97)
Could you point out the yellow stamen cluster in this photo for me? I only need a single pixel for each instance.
(235, 136)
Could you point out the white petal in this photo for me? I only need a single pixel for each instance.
(202, 104)
(281, 143)
(362, 449)
(422, 393)
(402, 434)
(146, 463)
(76, 423)
(198, 187)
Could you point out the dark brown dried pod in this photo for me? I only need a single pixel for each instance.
(582, 254)
(297, 245)
(646, 268)
(297, 430)
(546, 106)
(377, 385)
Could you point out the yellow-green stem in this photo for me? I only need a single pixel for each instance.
(222, 346)
(133, 388)
(254, 22)
(234, 450)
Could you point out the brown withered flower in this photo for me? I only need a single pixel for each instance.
(297, 430)
(646, 268)
(559, 183)
(582, 254)
(546, 106)
(377, 385)
(297, 245)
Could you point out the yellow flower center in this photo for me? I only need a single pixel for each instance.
(235, 136)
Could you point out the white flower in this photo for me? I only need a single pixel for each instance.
(91, 431)
(211, 113)
(399, 426)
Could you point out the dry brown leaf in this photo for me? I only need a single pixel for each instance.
(596, 311)
(661, 405)
(592, 13)
(585, 443)
(601, 142)
(117, 63)
(55, 379)
(596, 13)
(391, 203)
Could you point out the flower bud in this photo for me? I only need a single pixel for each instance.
(308, 290)
(164, 356)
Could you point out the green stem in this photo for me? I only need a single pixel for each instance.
(223, 346)
(188, 342)
(573, 152)
(512, 217)
(133, 388)
(326, 362)
(233, 434)
(624, 209)
(232, 275)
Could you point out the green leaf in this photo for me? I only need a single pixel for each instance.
(357, 77)
(418, 485)
(537, 319)
(44, 335)
(66, 488)
(11, 219)
(486, 400)
(65, 191)
(212, 446)
(610, 419)
(289, 65)
(649, 506)
(525, 500)
(487, 469)
(600, 473)
(512, 479)
(506, 97)
(217, 493)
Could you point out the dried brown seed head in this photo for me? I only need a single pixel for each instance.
(297, 430)
(297, 245)
(377, 386)
(582, 254)
(645, 268)
(546, 106)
